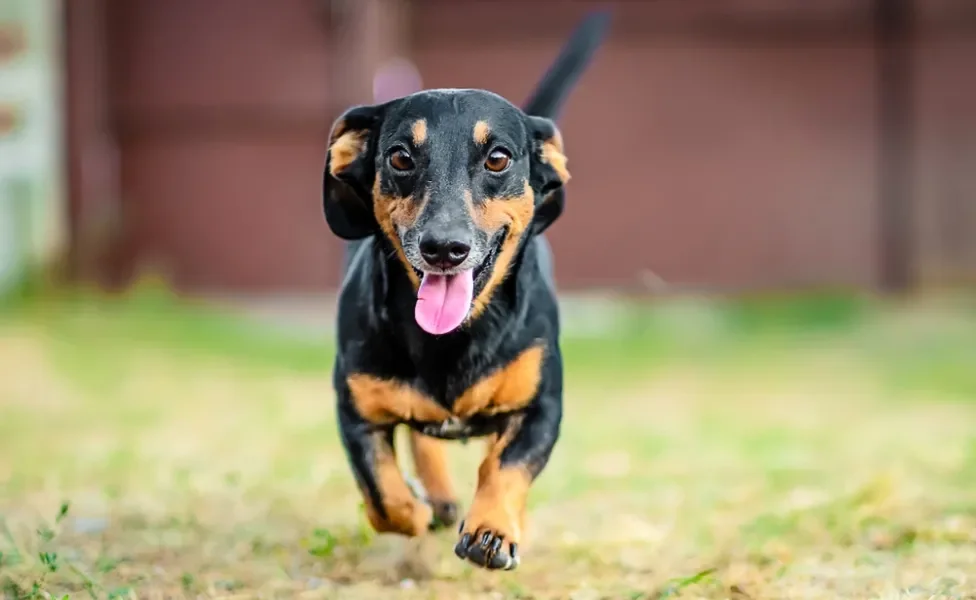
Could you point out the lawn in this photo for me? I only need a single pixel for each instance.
(764, 449)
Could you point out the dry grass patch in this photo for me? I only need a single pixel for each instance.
(792, 473)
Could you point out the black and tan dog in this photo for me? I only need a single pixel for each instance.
(448, 321)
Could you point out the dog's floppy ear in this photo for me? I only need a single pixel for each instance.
(548, 173)
(350, 169)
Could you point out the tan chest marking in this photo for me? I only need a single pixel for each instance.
(510, 388)
(383, 401)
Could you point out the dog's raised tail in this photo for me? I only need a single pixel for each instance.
(553, 89)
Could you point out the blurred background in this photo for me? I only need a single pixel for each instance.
(766, 264)
(716, 146)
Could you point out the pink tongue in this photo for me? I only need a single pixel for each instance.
(443, 301)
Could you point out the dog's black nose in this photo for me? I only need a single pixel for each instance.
(443, 252)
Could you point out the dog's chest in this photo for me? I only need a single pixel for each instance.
(452, 428)
(505, 389)
(461, 412)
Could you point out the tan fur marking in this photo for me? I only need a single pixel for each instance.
(391, 213)
(345, 148)
(552, 154)
(382, 401)
(419, 132)
(405, 514)
(481, 131)
(430, 460)
(491, 216)
(507, 389)
(510, 388)
(499, 501)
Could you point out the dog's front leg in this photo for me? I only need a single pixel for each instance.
(430, 459)
(492, 531)
(391, 506)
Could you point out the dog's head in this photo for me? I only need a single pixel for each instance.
(456, 181)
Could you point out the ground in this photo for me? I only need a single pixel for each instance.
(818, 448)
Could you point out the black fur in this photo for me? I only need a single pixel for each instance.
(377, 332)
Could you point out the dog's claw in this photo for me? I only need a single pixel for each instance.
(496, 546)
(513, 552)
(487, 551)
(462, 546)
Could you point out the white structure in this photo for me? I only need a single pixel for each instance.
(32, 211)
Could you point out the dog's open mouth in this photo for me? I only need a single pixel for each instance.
(444, 300)
(483, 271)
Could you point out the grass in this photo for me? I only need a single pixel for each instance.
(812, 448)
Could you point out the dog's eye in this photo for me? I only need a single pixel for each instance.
(498, 161)
(400, 160)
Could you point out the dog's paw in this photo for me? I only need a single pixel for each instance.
(407, 516)
(487, 547)
(445, 514)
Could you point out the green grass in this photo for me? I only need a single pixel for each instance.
(817, 447)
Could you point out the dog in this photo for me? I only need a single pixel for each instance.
(447, 315)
